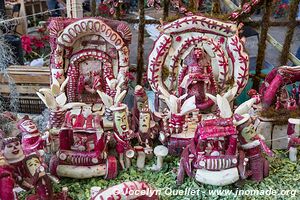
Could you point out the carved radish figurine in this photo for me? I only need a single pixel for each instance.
(146, 134)
(173, 134)
(122, 135)
(7, 182)
(32, 140)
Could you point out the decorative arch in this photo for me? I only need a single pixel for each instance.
(84, 27)
(219, 39)
(73, 70)
(68, 53)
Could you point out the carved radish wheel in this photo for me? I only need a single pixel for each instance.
(111, 170)
(197, 53)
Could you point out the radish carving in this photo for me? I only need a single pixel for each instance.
(178, 108)
(55, 100)
(109, 101)
(55, 97)
(174, 122)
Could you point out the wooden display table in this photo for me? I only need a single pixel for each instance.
(28, 81)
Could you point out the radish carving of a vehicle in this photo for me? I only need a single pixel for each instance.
(212, 156)
(82, 148)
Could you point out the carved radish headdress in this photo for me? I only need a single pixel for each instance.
(139, 91)
(240, 119)
(241, 112)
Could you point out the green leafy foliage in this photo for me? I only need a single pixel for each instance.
(284, 175)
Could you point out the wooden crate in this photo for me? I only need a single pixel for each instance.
(28, 81)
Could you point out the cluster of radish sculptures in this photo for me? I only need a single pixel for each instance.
(192, 114)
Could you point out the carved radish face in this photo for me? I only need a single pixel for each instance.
(13, 151)
(248, 133)
(144, 122)
(198, 53)
(28, 126)
(140, 105)
(121, 121)
(33, 164)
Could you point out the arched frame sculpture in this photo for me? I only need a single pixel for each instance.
(218, 39)
(64, 36)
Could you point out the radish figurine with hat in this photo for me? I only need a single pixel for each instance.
(122, 134)
(119, 113)
(145, 136)
(32, 140)
(294, 140)
(252, 143)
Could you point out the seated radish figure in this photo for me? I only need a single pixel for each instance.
(32, 140)
(42, 181)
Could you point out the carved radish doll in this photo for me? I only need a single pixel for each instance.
(145, 135)
(7, 182)
(198, 79)
(42, 181)
(37, 176)
(252, 143)
(122, 134)
(32, 140)
(14, 155)
(140, 101)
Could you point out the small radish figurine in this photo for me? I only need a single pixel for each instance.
(7, 182)
(32, 140)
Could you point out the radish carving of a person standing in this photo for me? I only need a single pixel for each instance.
(253, 144)
(37, 176)
(122, 134)
(14, 156)
(32, 140)
(140, 101)
(145, 135)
